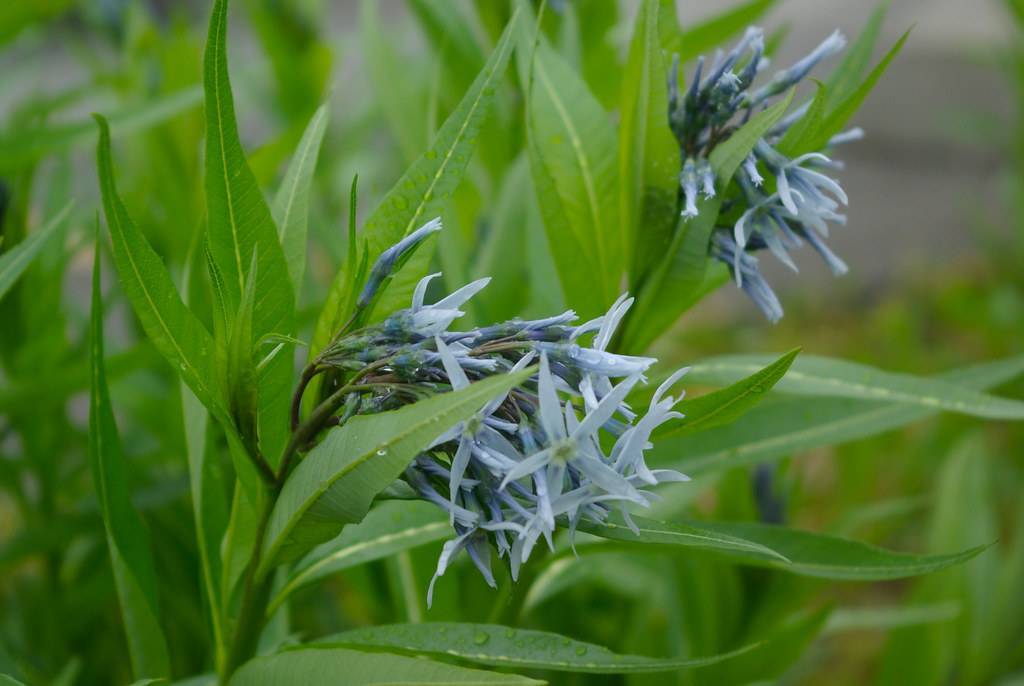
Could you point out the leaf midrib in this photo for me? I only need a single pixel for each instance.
(737, 544)
(581, 161)
(197, 377)
(217, 56)
(326, 485)
(867, 391)
(704, 463)
(348, 551)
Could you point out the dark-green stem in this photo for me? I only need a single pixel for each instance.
(255, 596)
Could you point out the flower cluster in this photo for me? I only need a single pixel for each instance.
(795, 203)
(561, 448)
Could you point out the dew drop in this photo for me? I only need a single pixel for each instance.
(400, 202)
(566, 641)
(510, 633)
(430, 154)
(382, 451)
(442, 629)
(481, 637)
(581, 650)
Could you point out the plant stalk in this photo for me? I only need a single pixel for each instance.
(255, 596)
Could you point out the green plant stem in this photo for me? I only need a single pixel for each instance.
(410, 589)
(255, 596)
(318, 419)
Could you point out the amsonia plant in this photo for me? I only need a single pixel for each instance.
(513, 423)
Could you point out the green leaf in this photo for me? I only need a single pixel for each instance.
(724, 406)
(7, 680)
(688, 535)
(727, 157)
(837, 117)
(845, 78)
(791, 550)
(503, 250)
(831, 557)
(823, 376)
(648, 154)
(291, 204)
(420, 195)
(502, 646)
(17, 259)
(389, 528)
(783, 426)
(573, 155)
(176, 333)
(127, 538)
(312, 666)
(239, 224)
(679, 279)
(336, 482)
(23, 147)
(801, 135)
(623, 573)
(241, 367)
(711, 33)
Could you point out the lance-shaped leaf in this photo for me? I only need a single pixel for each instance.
(791, 550)
(573, 157)
(803, 134)
(688, 535)
(314, 666)
(846, 77)
(176, 333)
(831, 557)
(239, 222)
(725, 405)
(840, 115)
(336, 482)
(823, 376)
(784, 426)
(420, 195)
(291, 204)
(502, 253)
(389, 528)
(679, 278)
(14, 262)
(648, 154)
(503, 646)
(127, 539)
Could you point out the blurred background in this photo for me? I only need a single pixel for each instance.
(935, 245)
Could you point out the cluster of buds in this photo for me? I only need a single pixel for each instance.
(563, 447)
(799, 200)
